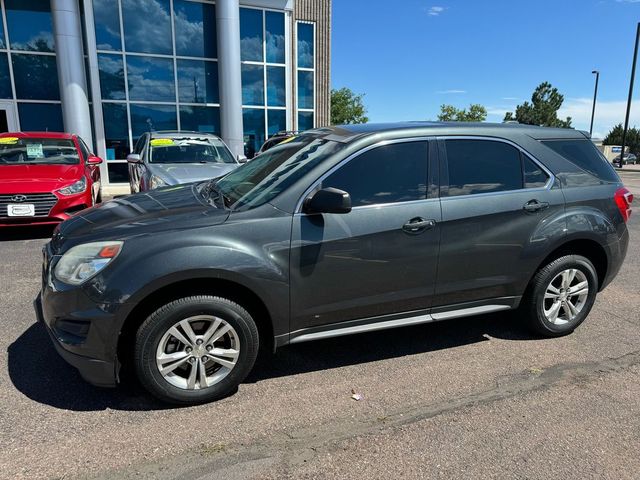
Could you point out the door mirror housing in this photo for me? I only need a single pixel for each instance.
(328, 200)
(134, 158)
(241, 158)
(93, 160)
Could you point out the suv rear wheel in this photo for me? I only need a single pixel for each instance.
(561, 295)
(195, 349)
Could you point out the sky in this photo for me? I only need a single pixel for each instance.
(410, 56)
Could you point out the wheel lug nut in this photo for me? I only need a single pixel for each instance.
(205, 359)
(192, 360)
(188, 349)
(199, 341)
(209, 348)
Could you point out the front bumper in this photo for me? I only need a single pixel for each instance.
(63, 207)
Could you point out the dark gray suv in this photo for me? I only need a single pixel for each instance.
(337, 231)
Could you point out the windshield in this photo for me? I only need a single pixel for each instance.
(262, 179)
(29, 151)
(189, 150)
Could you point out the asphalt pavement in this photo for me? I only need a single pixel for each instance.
(478, 397)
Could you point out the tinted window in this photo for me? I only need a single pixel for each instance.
(200, 119)
(40, 70)
(251, 34)
(305, 89)
(107, 22)
(585, 155)
(40, 117)
(5, 81)
(150, 78)
(274, 23)
(29, 25)
(83, 149)
(197, 81)
(111, 76)
(305, 121)
(305, 45)
(277, 121)
(534, 176)
(150, 118)
(147, 26)
(195, 29)
(116, 129)
(482, 166)
(276, 86)
(388, 174)
(252, 84)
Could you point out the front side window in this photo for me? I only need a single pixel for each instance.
(482, 166)
(388, 174)
(29, 151)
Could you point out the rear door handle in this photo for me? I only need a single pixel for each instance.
(535, 206)
(418, 225)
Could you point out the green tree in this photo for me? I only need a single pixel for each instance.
(449, 113)
(347, 107)
(614, 137)
(543, 109)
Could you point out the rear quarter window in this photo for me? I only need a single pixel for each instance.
(586, 156)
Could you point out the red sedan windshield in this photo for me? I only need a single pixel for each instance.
(28, 151)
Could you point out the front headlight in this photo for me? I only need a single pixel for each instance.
(82, 262)
(77, 187)
(155, 182)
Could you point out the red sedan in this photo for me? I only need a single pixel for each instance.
(45, 177)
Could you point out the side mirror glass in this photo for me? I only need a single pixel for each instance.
(93, 160)
(328, 200)
(134, 158)
(242, 159)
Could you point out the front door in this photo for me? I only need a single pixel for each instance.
(8, 122)
(371, 261)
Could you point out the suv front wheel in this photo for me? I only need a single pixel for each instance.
(560, 296)
(195, 349)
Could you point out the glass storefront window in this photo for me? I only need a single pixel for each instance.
(116, 130)
(305, 120)
(252, 84)
(118, 172)
(274, 22)
(251, 37)
(147, 26)
(197, 81)
(195, 27)
(254, 131)
(149, 118)
(305, 45)
(111, 76)
(107, 24)
(35, 76)
(276, 96)
(29, 25)
(277, 120)
(150, 79)
(305, 89)
(40, 117)
(200, 119)
(5, 79)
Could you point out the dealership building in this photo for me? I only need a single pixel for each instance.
(110, 70)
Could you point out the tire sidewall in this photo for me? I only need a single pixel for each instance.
(152, 331)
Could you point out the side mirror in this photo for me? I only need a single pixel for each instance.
(242, 159)
(328, 200)
(134, 158)
(93, 160)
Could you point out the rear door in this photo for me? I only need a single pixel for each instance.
(381, 257)
(499, 209)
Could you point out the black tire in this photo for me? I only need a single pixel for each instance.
(532, 305)
(152, 330)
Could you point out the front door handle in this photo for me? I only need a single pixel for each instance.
(535, 206)
(418, 225)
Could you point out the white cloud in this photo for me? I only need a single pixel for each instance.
(435, 11)
(628, 1)
(446, 92)
(509, 98)
(608, 114)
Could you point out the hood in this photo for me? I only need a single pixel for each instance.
(175, 173)
(161, 210)
(37, 178)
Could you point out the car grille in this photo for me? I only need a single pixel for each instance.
(43, 202)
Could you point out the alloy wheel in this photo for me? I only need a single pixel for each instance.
(565, 296)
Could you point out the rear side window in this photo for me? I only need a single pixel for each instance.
(388, 174)
(482, 166)
(534, 176)
(585, 155)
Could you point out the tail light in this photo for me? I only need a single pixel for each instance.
(623, 199)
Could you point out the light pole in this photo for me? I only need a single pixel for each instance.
(595, 95)
(633, 76)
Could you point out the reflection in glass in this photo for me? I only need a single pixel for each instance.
(147, 26)
(197, 81)
(305, 89)
(305, 121)
(40, 117)
(116, 130)
(29, 25)
(111, 76)
(252, 85)
(253, 122)
(274, 23)
(118, 172)
(277, 121)
(5, 80)
(2, 43)
(305, 45)
(200, 119)
(195, 27)
(107, 21)
(150, 79)
(32, 70)
(251, 34)
(276, 86)
(151, 118)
